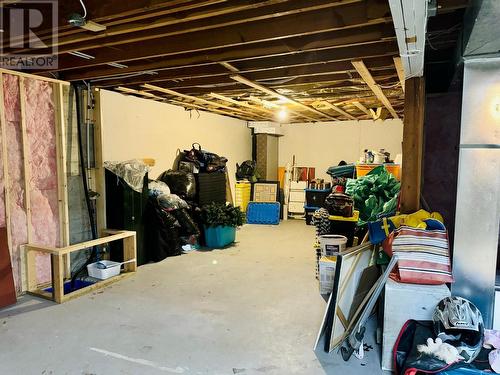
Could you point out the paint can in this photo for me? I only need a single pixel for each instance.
(332, 244)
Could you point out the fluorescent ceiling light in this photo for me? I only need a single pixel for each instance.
(93, 26)
(117, 65)
(81, 55)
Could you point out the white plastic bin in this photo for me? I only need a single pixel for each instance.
(113, 269)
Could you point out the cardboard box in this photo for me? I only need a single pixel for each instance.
(327, 267)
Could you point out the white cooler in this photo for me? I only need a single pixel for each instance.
(402, 303)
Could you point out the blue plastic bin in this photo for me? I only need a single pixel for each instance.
(217, 237)
(79, 284)
(263, 213)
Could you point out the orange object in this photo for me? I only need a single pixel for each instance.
(281, 176)
(394, 169)
(364, 169)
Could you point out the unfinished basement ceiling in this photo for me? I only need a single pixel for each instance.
(323, 60)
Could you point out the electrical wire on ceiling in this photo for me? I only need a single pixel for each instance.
(277, 81)
(390, 86)
(436, 34)
(84, 9)
(430, 44)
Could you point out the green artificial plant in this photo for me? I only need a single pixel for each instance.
(225, 215)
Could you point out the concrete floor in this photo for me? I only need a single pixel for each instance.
(253, 308)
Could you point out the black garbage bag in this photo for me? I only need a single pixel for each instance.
(187, 225)
(181, 183)
(198, 160)
(161, 232)
(246, 171)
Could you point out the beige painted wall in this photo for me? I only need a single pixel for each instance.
(140, 128)
(324, 144)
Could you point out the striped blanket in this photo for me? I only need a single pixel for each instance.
(424, 256)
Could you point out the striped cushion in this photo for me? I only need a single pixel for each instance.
(424, 256)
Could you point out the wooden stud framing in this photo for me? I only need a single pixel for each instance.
(100, 180)
(400, 70)
(241, 103)
(27, 176)
(5, 161)
(413, 145)
(220, 111)
(27, 259)
(276, 94)
(127, 90)
(339, 110)
(367, 77)
(196, 99)
(57, 261)
(33, 76)
(26, 153)
(61, 163)
(362, 108)
(62, 180)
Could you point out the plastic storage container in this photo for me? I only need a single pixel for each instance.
(263, 213)
(242, 195)
(364, 169)
(339, 204)
(345, 226)
(113, 269)
(332, 244)
(309, 214)
(316, 197)
(217, 237)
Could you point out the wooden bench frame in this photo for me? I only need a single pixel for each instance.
(58, 266)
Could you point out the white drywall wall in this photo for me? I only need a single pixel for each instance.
(322, 145)
(141, 128)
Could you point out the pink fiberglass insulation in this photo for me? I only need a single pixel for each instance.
(40, 128)
(18, 224)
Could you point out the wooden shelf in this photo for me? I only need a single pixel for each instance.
(57, 265)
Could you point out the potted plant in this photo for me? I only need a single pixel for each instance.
(220, 222)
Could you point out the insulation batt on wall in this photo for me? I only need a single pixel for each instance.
(18, 223)
(41, 175)
(40, 128)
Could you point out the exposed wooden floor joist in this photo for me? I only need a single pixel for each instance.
(245, 58)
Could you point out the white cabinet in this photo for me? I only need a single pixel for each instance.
(402, 303)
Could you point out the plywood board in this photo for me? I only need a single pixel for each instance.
(350, 274)
(350, 266)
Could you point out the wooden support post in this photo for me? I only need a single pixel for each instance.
(413, 144)
(129, 253)
(27, 176)
(100, 180)
(5, 166)
(30, 268)
(57, 277)
(62, 185)
(26, 153)
(62, 177)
